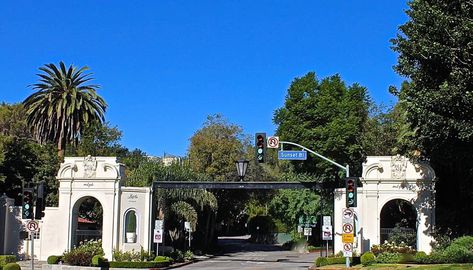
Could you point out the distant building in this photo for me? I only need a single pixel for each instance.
(168, 159)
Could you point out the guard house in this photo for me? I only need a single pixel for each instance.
(390, 184)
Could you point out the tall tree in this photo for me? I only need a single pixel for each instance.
(215, 147)
(63, 105)
(23, 161)
(328, 117)
(435, 49)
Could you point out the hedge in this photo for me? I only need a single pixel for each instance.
(11, 266)
(4, 259)
(137, 264)
(53, 259)
(99, 260)
(368, 258)
(321, 261)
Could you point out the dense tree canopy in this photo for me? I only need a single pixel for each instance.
(327, 117)
(435, 51)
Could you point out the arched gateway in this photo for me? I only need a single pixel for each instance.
(390, 183)
(126, 210)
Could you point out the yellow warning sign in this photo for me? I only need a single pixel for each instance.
(347, 238)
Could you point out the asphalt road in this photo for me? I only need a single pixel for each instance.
(237, 253)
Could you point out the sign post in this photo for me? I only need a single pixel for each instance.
(327, 231)
(348, 230)
(158, 233)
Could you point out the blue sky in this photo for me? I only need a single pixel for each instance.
(163, 66)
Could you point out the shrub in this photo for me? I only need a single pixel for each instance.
(11, 266)
(83, 254)
(53, 259)
(457, 254)
(388, 257)
(391, 247)
(127, 256)
(406, 258)
(177, 255)
(321, 261)
(188, 255)
(138, 264)
(5, 259)
(420, 256)
(163, 259)
(99, 260)
(368, 258)
(464, 241)
(434, 258)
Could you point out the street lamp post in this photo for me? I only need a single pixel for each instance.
(241, 165)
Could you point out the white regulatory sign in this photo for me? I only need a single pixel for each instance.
(32, 226)
(327, 232)
(158, 236)
(348, 213)
(347, 250)
(273, 142)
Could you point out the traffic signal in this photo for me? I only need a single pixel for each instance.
(40, 204)
(350, 185)
(27, 203)
(260, 144)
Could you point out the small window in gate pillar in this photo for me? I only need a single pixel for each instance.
(130, 226)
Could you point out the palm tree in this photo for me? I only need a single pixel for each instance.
(63, 105)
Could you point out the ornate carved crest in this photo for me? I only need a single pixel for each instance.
(90, 166)
(398, 167)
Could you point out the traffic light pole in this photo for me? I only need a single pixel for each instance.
(346, 168)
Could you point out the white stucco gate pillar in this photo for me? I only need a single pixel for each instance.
(384, 179)
(80, 178)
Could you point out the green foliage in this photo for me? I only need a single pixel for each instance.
(23, 161)
(137, 264)
(99, 260)
(12, 266)
(5, 259)
(126, 256)
(163, 259)
(458, 254)
(420, 256)
(54, 259)
(327, 116)
(177, 255)
(434, 258)
(83, 254)
(131, 222)
(388, 257)
(464, 241)
(188, 255)
(400, 236)
(368, 258)
(215, 147)
(391, 247)
(289, 205)
(63, 105)
(321, 261)
(434, 48)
